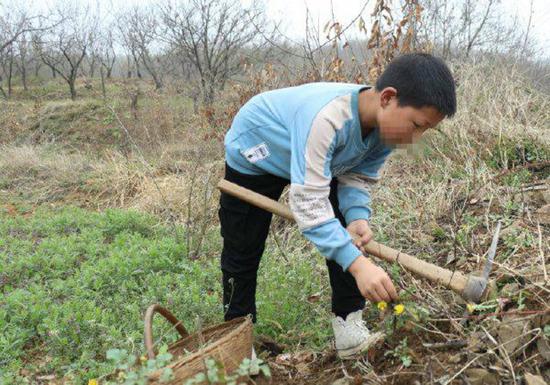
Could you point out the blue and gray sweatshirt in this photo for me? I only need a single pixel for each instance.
(310, 134)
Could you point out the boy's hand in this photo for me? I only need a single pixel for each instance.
(373, 282)
(360, 227)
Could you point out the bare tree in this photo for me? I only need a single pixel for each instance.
(64, 47)
(24, 57)
(213, 36)
(15, 23)
(6, 67)
(458, 27)
(106, 52)
(106, 55)
(138, 31)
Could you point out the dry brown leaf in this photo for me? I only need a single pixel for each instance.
(314, 298)
(543, 346)
(479, 376)
(542, 215)
(512, 333)
(531, 379)
(303, 368)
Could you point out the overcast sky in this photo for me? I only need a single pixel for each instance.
(292, 13)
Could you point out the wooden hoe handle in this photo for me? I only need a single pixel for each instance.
(453, 280)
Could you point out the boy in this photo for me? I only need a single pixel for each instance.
(328, 141)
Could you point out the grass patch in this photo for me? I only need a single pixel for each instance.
(76, 283)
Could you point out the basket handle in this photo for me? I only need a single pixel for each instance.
(148, 331)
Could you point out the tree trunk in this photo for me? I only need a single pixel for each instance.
(23, 69)
(37, 67)
(128, 67)
(103, 90)
(136, 63)
(92, 67)
(10, 77)
(158, 83)
(209, 93)
(3, 92)
(24, 76)
(72, 87)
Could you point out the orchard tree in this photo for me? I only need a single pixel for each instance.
(64, 47)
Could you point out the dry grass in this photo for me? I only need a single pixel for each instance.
(40, 173)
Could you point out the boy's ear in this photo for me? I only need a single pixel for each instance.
(386, 95)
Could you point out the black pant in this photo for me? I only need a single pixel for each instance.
(244, 229)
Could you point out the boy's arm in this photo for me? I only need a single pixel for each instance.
(353, 187)
(311, 154)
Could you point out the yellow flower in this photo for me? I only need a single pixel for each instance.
(382, 305)
(470, 307)
(93, 381)
(398, 309)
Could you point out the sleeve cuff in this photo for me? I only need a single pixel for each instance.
(347, 255)
(355, 213)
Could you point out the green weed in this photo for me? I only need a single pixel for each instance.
(74, 284)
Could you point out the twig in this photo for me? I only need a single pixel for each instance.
(482, 316)
(463, 369)
(543, 263)
(276, 240)
(453, 344)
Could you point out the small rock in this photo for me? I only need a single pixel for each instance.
(479, 376)
(531, 379)
(543, 346)
(476, 341)
(538, 197)
(512, 334)
(542, 215)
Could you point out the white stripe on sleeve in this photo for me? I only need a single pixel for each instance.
(309, 202)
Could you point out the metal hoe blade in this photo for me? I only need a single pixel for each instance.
(477, 285)
(491, 254)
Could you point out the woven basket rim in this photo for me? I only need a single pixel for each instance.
(243, 323)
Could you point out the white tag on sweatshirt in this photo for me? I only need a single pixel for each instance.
(256, 153)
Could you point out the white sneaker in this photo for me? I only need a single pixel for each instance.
(352, 335)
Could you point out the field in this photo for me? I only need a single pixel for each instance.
(106, 209)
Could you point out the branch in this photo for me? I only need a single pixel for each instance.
(480, 27)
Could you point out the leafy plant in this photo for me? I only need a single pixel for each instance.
(128, 373)
(215, 372)
(401, 352)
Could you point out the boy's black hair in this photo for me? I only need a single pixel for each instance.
(421, 80)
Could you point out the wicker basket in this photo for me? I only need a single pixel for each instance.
(228, 343)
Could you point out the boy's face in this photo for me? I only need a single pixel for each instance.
(404, 124)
